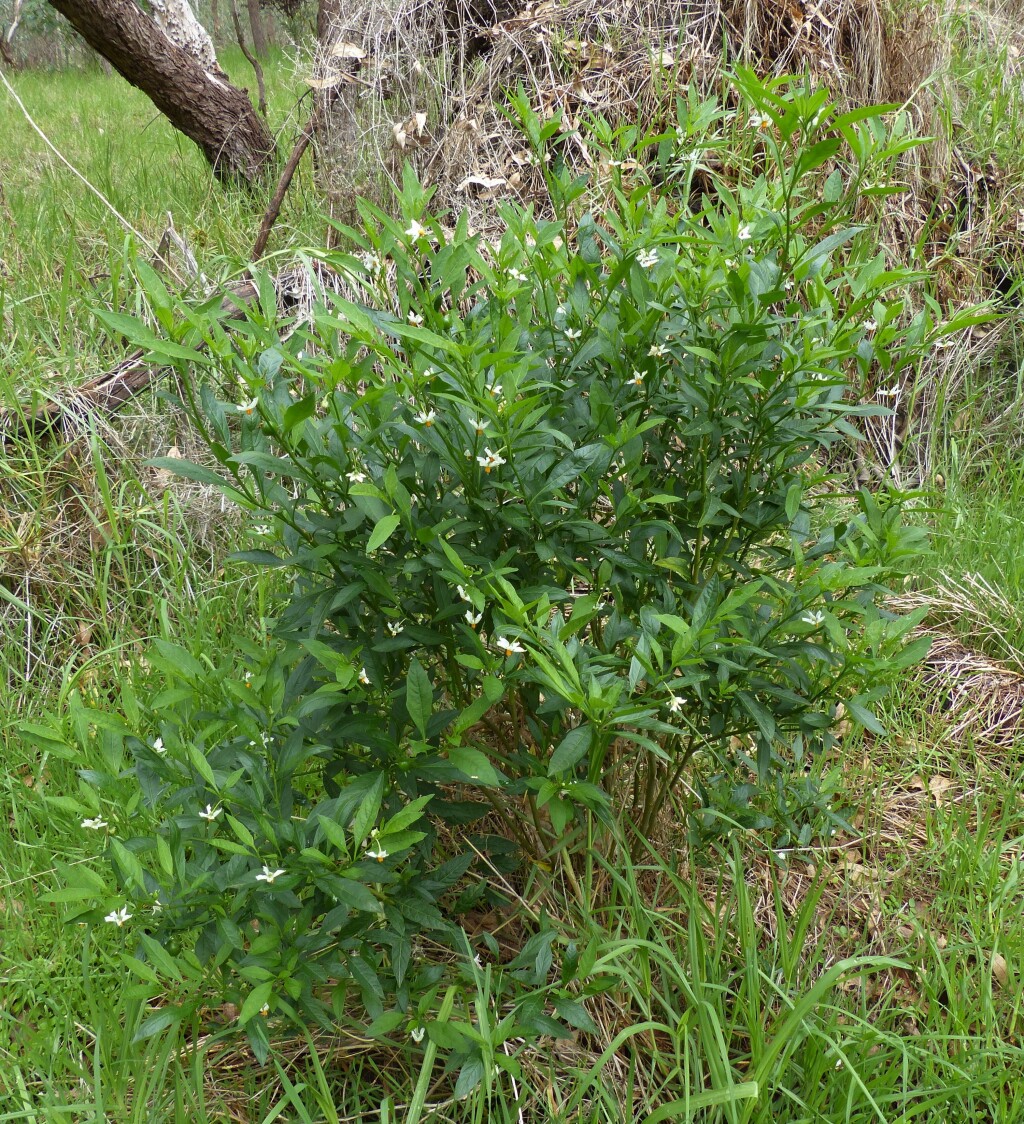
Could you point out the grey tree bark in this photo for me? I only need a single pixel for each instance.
(186, 85)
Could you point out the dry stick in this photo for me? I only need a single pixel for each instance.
(274, 208)
(253, 61)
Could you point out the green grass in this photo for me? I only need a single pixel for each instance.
(715, 975)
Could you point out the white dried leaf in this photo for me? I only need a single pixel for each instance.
(419, 122)
(346, 50)
(398, 132)
(483, 183)
(329, 80)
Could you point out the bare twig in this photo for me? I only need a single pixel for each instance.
(287, 174)
(254, 62)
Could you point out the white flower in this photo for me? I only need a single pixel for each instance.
(573, 333)
(477, 961)
(118, 917)
(210, 813)
(473, 619)
(159, 747)
(248, 679)
(658, 350)
(517, 275)
(426, 417)
(490, 460)
(614, 163)
(157, 906)
(395, 627)
(760, 121)
(743, 234)
(414, 318)
(647, 258)
(637, 379)
(416, 230)
(380, 854)
(417, 1033)
(96, 824)
(869, 326)
(372, 263)
(887, 392)
(814, 619)
(788, 285)
(494, 389)
(731, 263)
(265, 1010)
(676, 703)
(355, 477)
(269, 876)
(248, 407)
(363, 677)
(262, 529)
(509, 647)
(561, 310)
(479, 424)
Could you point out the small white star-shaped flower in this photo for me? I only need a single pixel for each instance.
(676, 703)
(814, 619)
(95, 824)
(637, 378)
(414, 318)
(247, 407)
(363, 677)
(159, 747)
(210, 813)
(744, 233)
(509, 647)
(118, 917)
(760, 121)
(573, 333)
(426, 417)
(517, 275)
(494, 389)
(269, 876)
(490, 460)
(869, 326)
(395, 627)
(380, 854)
(647, 258)
(473, 619)
(658, 350)
(478, 424)
(416, 230)
(417, 1033)
(355, 477)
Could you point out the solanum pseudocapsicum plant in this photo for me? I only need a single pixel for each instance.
(558, 531)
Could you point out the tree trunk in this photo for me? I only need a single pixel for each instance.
(200, 103)
(215, 17)
(7, 36)
(259, 36)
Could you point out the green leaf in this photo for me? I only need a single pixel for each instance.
(255, 1000)
(571, 749)
(860, 713)
(366, 815)
(419, 696)
(382, 531)
(474, 765)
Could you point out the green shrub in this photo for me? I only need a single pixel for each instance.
(561, 529)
